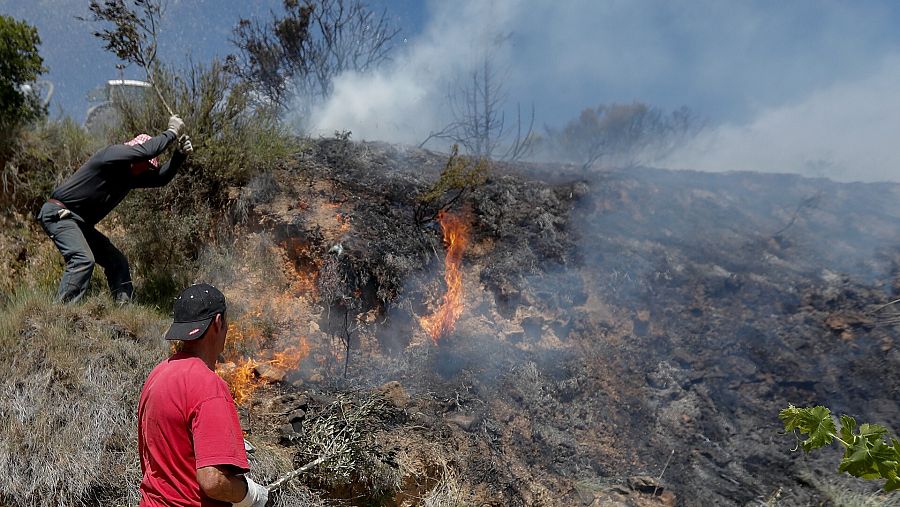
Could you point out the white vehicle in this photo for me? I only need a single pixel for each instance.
(104, 113)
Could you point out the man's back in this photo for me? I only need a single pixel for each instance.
(186, 420)
(105, 179)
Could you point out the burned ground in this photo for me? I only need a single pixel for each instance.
(611, 321)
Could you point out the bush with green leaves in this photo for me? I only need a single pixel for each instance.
(461, 175)
(235, 138)
(40, 158)
(867, 455)
(20, 63)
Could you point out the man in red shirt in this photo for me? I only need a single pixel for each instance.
(189, 437)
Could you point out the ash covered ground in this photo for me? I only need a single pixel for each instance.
(616, 327)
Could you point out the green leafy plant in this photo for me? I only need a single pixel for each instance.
(460, 175)
(867, 454)
(20, 64)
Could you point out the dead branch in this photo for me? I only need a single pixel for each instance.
(296, 473)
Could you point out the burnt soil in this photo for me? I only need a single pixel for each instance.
(614, 322)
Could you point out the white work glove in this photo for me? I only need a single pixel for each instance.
(184, 145)
(175, 124)
(257, 495)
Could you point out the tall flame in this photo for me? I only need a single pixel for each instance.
(455, 230)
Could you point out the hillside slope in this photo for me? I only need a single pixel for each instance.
(612, 325)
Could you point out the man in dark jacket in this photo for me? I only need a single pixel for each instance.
(88, 195)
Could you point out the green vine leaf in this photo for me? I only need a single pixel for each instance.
(815, 422)
(867, 454)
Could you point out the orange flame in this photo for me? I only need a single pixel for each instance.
(239, 371)
(455, 230)
(239, 377)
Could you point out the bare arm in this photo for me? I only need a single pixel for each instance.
(220, 483)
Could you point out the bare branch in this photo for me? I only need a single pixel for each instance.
(310, 44)
(132, 36)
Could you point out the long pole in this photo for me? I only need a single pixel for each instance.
(158, 93)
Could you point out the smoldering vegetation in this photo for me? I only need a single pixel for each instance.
(612, 324)
(609, 319)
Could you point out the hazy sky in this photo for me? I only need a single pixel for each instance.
(801, 86)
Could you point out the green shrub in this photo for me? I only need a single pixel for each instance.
(233, 140)
(42, 156)
(20, 64)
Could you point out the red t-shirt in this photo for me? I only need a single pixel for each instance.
(186, 420)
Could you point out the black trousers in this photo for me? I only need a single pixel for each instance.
(82, 246)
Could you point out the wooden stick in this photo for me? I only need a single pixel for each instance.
(296, 473)
(886, 305)
(658, 479)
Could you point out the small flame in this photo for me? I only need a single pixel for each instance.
(239, 377)
(238, 371)
(455, 230)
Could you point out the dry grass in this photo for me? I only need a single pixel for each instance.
(71, 377)
(449, 492)
(839, 495)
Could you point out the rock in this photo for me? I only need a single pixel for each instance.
(286, 433)
(315, 378)
(394, 393)
(270, 373)
(644, 484)
(619, 490)
(296, 416)
(609, 499)
(465, 421)
(286, 399)
(667, 498)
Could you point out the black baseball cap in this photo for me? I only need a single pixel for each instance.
(195, 308)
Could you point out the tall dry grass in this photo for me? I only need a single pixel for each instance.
(70, 378)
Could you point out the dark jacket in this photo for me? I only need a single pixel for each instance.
(104, 180)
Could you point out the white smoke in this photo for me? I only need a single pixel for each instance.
(847, 131)
(823, 102)
(407, 99)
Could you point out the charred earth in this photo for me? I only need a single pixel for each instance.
(614, 327)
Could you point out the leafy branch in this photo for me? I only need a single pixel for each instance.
(459, 176)
(132, 36)
(867, 454)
